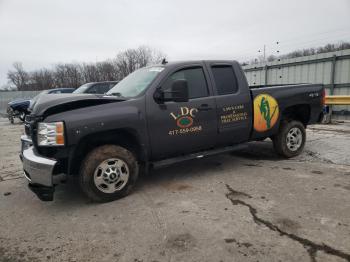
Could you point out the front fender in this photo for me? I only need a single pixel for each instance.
(83, 122)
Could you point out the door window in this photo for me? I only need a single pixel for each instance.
(196, 82)
(92, 90)
(225, 79)
(55, 92)
(103, 88)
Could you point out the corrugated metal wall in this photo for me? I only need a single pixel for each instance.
(331, 69)
(7, 96)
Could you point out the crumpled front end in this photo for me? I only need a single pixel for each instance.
(10, 113)
(38, 170)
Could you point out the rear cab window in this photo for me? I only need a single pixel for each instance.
(225, 79)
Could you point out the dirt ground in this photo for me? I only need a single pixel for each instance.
(245, 206)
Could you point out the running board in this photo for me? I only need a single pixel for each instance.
(202, 154)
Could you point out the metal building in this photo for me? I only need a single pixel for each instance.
(331, 69)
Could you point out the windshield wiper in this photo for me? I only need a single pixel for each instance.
(116, 94)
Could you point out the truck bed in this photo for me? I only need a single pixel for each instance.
(304, 100)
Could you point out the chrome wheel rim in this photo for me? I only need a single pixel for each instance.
(294, 139)
(111, 175)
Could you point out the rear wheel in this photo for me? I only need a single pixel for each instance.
(290, 140)
(108, 173)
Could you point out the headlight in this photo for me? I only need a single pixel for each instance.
(51, 134)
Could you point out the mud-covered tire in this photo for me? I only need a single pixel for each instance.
(12, 120)
(93, 161)
(292, 130)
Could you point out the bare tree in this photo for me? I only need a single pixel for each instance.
(68, 75)
(18, 76)
(89, 73)
(271, 58)
(107, 71)
(132, 59)
(42, 79)
(306, 52)
(74, 75)
(74, 78)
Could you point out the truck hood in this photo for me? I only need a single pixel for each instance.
(19, 102)
(48, 104)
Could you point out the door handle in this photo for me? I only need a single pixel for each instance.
(204, 107)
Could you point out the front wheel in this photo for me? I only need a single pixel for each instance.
(290, 140)
(108, 173)
(11, 119)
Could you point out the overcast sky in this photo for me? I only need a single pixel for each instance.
(40, 33)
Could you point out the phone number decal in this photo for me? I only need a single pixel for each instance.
(184, 131)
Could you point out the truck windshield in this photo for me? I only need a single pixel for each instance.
(82, 89)
(136, 82)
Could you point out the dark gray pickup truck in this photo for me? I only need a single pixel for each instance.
(156, 116)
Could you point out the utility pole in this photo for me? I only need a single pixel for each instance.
(264, 50)
(264, 53)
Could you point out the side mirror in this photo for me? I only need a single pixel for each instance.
(178, 93)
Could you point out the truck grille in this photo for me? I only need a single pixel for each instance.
(28, 124)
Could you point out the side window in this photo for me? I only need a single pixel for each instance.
(197, 85)
(225, 79)
(92, 90)
(110, 86)
(103, 88)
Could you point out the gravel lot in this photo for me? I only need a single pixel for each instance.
(246, 206)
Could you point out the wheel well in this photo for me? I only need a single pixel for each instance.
(297, 112)
(123, 137)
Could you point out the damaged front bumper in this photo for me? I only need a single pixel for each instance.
(38, 171)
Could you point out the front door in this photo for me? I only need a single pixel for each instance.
(180, 128)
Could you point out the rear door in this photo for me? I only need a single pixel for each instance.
(233, 102)
(180, 128)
